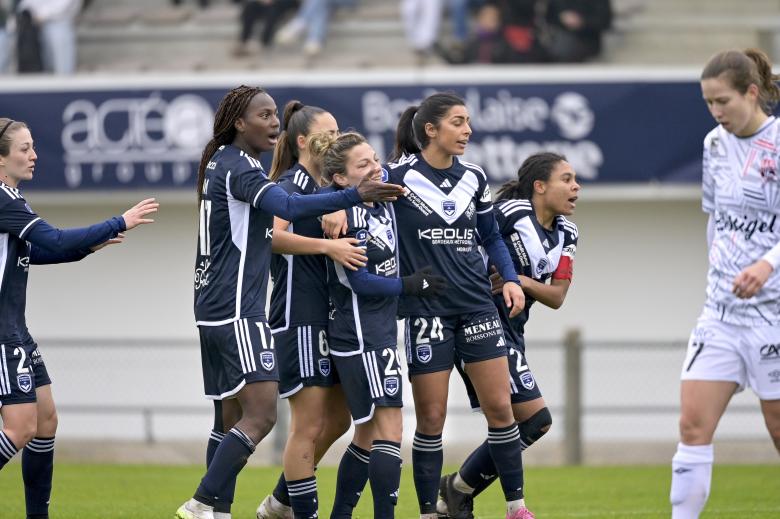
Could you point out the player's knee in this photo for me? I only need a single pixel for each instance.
(536, 426)
(47, 425)
(693, 430)
(498, 412)
(21, 434)
(431, 420)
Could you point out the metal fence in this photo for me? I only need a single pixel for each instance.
(150, 390)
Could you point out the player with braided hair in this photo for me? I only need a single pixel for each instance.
(237, 203)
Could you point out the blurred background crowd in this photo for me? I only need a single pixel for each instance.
(58, 36)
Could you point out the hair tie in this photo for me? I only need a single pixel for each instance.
(6, 127)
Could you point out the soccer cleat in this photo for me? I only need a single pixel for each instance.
(194, 509)
(222, 515)
(522, 513)
(271, 508)
(456, 504)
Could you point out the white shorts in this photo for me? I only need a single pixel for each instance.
(732, 353)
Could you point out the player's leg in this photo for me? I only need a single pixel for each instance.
(771, 410)
(712, 372)
(19, 427)
(761, 351)
(307, 423)
(38, 457)
(430, 350)
(384, 465)
(353, 472)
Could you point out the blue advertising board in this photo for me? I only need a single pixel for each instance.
(117, 136)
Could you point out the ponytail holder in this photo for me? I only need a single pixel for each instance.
(6, 127)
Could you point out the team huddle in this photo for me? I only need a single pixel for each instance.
(353, 245)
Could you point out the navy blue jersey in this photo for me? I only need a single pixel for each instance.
(361, 323)
(437, 226)
(300, 292)
(16, 221)
(537, 252)
(234, 240)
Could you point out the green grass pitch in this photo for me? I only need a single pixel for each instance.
(151, 491)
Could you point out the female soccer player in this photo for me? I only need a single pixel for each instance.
(299, 316)
(446, 209)
(531, 213)
(735, 341)
(237, 205)
(362, 328)
(26, 403)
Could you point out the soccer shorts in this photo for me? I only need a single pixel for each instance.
(370, 379)
(304, 359)
(21, 371)
(747, 355)
(236, 354)
(521, 381)
(431, 342)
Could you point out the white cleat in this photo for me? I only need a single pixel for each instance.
(271, 508)
(222, 515)
(194, 509)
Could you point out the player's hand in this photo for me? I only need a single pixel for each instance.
(424, 283)
(135, 216)
(377, 191)
(113, 241)
(346, 252)
(514, 298)
(335, 224)
(749, 281)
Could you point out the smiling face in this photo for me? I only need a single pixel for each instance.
(258, 128)
(19, 164)
(452, 133)
(735, 111)
(560, 192)
(361, 160)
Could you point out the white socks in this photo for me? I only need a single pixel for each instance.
(691, 477)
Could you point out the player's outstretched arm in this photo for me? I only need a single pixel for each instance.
(137, 214)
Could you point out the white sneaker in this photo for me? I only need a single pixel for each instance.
(194, 509)
(291, 32)
(271, 508)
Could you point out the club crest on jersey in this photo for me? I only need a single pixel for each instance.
(24, 381)
(391, 385)
(362, 237)
(385, 175)
(527, 380)
(541, 266)
(267, 360)
(448, 206)
(768, 169)
(324, 367)
(424, 353)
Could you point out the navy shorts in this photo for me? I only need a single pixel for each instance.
(304, 359)
(236, 354)
(370, 379)
(431, 342)
(21, 371)
(521, 381)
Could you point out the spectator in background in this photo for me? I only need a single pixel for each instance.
(252, 12)
(56, 22)
(421, 20)
(201, 3)
(312, 18)
(572, 29)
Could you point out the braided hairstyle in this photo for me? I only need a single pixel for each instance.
(231, 108)
(538, 166)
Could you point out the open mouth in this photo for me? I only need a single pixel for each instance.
(573, 200)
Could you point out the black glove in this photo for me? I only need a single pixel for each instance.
(424, 283)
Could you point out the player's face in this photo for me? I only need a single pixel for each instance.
(728, 106)
(361, 160)
(454, 130)
(19, 165)
(259, 126)
(324, 123)
(561, 190)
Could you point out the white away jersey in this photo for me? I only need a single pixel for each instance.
(741, 192)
